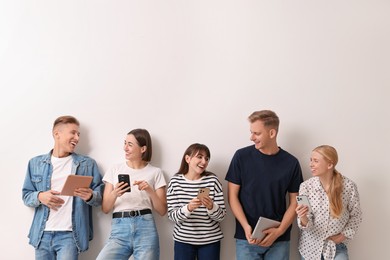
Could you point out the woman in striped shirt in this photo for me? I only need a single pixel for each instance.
(197, 232)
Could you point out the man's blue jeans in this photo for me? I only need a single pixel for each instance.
(279, 250)
(58, 245)
(135, 236)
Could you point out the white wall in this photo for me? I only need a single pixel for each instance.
(192, 71)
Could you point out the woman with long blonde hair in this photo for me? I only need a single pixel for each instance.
(334, 215)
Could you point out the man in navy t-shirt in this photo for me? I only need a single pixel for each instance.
(259, 177)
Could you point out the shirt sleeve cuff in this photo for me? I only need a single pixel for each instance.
(301, 226)
(186, 211)
(38, 201)
(214, 209)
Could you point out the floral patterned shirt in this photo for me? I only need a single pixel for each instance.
(313, 240)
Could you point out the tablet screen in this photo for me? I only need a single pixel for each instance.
(75, 181)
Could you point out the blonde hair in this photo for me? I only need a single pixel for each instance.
(268, 117)
(62, 120)
(336, 186)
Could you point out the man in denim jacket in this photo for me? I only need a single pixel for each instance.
(62, 225)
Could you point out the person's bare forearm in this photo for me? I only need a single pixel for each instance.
(237, 210)
(158, 200)
(290, 214)
(236, 207)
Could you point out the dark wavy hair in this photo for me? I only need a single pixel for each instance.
(192, 151)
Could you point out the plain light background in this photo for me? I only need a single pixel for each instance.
(192, 71)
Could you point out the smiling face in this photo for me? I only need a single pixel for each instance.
(133, 151)
(66, 137)
(319, 166)
(262, 136)
(197, 163)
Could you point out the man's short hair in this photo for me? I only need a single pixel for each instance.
(62, 120)
(268, 117)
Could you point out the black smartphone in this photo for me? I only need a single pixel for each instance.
(125, 178)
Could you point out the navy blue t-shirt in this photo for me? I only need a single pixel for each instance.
(264, 183)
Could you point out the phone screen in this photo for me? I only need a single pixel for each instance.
(125, 178)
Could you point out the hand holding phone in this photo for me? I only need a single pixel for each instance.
(303, 200)
(203, 192)
(126, 179)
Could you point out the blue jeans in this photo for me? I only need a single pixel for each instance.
(132, 236)
(341, 252)
(58, 245)
(184, 251)
(279, 250)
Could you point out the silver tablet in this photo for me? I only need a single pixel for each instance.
(263, 224)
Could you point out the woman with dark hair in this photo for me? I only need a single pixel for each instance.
(196, 205)
(334, 215)
(133, 228)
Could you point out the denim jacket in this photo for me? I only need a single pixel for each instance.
(38, 179)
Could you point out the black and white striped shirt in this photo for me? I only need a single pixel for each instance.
(200, 226)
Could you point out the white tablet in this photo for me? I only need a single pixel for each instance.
(75, 181)
(263, 224)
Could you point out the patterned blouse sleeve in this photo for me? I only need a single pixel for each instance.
(355, 212)
(304, 190)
